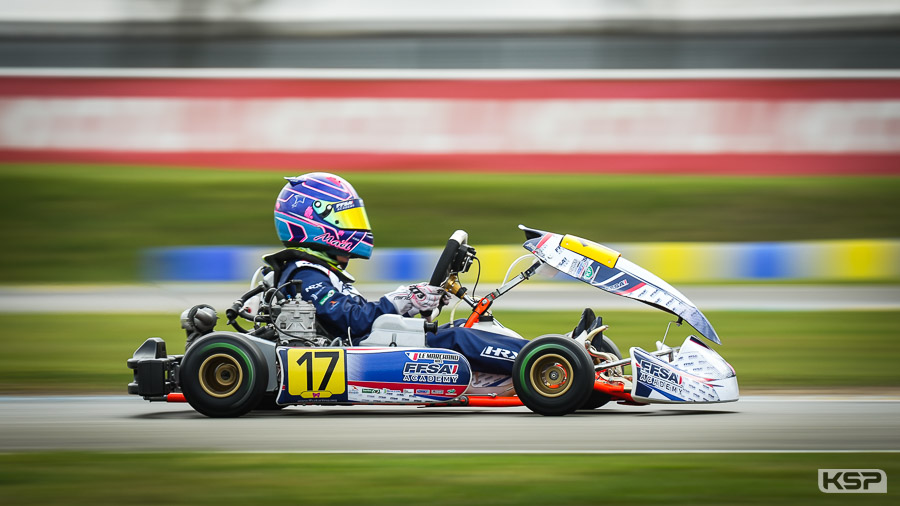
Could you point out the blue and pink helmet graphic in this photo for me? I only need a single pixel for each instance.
(322, 211)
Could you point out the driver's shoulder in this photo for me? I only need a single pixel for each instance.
(309, 271)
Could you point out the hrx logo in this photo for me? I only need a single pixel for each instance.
(852, 481)
(500, 353)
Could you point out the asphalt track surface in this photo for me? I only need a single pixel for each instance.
(175, 297)
(753, 424)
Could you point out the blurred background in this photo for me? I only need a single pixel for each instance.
(739, 146)
(747, 152)
(709, 141)
(467, 34)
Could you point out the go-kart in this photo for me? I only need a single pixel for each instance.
(284, 360)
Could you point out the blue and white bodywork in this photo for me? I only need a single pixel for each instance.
(370, 375)
(694, 374)
(604, 268)
(691, 373)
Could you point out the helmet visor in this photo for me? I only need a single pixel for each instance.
(346, 215)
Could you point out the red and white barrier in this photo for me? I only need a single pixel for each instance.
(735, 126)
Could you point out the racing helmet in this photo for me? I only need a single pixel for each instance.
(323, 212)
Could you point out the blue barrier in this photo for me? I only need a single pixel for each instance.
(197, 263)
(766, 260)
(844, 260)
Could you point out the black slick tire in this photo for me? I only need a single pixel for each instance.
(553, 375)
(223, 375)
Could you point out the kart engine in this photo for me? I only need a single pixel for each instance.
(295, 319)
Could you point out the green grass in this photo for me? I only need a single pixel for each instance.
(60, 353)
(71, 223)
(203, 478)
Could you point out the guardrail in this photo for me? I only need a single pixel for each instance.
(681, 262)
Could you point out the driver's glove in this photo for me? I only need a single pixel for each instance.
(421, 298)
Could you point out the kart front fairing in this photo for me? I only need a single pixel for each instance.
(606, 269)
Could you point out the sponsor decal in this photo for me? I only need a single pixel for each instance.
(343, 206)
(423, 391)
(660, 378)
(327, 296)
(314, 286)
(578, 267)
(589, 272)
(619, 285)
(417, 372)
(438, 392)
(499, 353)
(451, 391)
(371, 391)
(415, 356)
(341, 244)
(853, 481)
(417, 368)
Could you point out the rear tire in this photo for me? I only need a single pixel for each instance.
(223, 375)
(553, 375)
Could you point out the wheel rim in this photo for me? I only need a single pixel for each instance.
(550, 375)
(220, 375)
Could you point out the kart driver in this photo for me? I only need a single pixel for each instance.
(321, 221)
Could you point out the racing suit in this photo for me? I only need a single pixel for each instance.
(342, 311)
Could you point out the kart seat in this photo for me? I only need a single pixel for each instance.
(589, 321)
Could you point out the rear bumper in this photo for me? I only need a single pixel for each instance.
(155, 372)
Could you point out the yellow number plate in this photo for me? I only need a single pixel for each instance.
(316, 372)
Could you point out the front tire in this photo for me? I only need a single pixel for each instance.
(223, 375)
(553, 375)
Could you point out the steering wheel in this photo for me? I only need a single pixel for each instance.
(441, 274)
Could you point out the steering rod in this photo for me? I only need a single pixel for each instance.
(454, 288)
(485, 303)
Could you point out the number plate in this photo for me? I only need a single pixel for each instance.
(316, 373)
